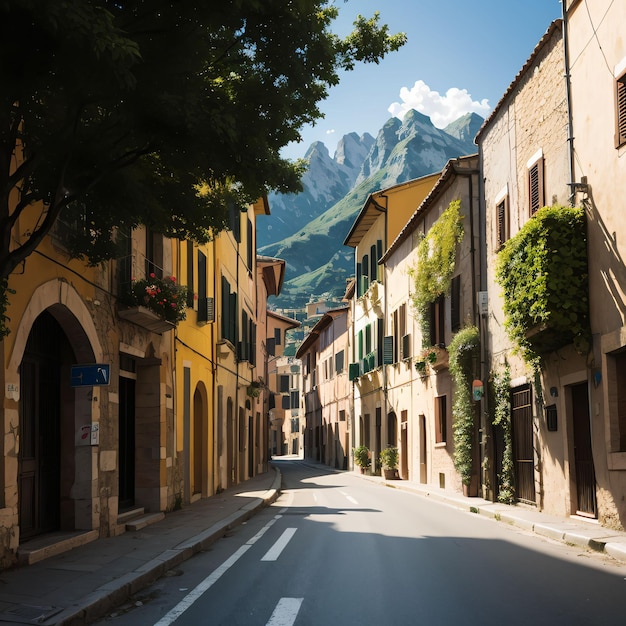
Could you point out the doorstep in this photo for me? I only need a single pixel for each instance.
(51, 544)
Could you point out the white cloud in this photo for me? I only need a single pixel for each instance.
(330, 132)
(442, 110)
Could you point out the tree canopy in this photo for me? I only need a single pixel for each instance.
(115, 113)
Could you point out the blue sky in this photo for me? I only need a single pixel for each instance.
(460, 56)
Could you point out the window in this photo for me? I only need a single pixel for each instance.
(437, 321)
(502, 222)
(373, 263)
(399, 333)
(190, 274)
(620, 103)
(339, 358)
(440, 419)
(535, 185)
(270, 346)
(234, 222)
(455, 304)
(201, 275)
(250, 244)
(277, 336)
(154, 253)
(295, 399)
(229, 313)
(365, 269)
(284, 383)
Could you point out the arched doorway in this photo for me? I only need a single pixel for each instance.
(46, 461)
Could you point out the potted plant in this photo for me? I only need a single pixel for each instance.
(389, 459)
(362, 456)
(163, 296)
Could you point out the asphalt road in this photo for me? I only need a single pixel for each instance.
(335, 549)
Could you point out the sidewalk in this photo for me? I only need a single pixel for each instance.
(83, 584)
(574, 530)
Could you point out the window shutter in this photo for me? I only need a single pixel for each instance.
(286, 402)
(373, 263)
(284, 383)
(190, 274)
(388, 350)
(621, 111)
(379, 252)
(270, 346)
(535, 185)
(502, 223)
(406, 346)
(339, 362)
(249, 243)
(206, 310)
(354, 371)
(455, 304)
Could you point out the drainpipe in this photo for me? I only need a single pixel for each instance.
(568, 97)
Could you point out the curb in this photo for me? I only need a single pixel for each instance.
(108, 596)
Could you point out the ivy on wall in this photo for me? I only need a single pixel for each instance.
(464, 352)
(501, 385)
(544, 276)
(436, 254)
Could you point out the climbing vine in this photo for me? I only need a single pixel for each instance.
(501, 385)
(544, 276)
(436, 254)
(464, 351)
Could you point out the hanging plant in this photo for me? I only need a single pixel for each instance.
(464, 351)
(501, 384)
(544, 276)
(436, 254)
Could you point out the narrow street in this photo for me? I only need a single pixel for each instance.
(337, 549)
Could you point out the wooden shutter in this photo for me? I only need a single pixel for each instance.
(440, 419)
(535, 186)
(502, 223)
(455, 304)
(373, 263)
(620, 135)
(388, 343)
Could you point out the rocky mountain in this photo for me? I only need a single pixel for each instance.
(325, 182)
(317, 261)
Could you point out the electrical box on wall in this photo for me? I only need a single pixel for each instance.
(483, 302)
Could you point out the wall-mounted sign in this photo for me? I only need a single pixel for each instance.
(91, 375)
(477, 390)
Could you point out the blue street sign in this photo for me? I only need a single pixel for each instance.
(91, 375)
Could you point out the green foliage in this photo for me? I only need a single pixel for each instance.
(501, 384)
(435, 262)
(163, 296)
(544, 276)
(464, 352)
(389, 458)
(158, 113)
(362, 456)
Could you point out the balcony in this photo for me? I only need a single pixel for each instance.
(155, 302)
(144, 317)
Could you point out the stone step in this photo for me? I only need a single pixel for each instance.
(52, 544)
(142, 521)
(124, 517)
